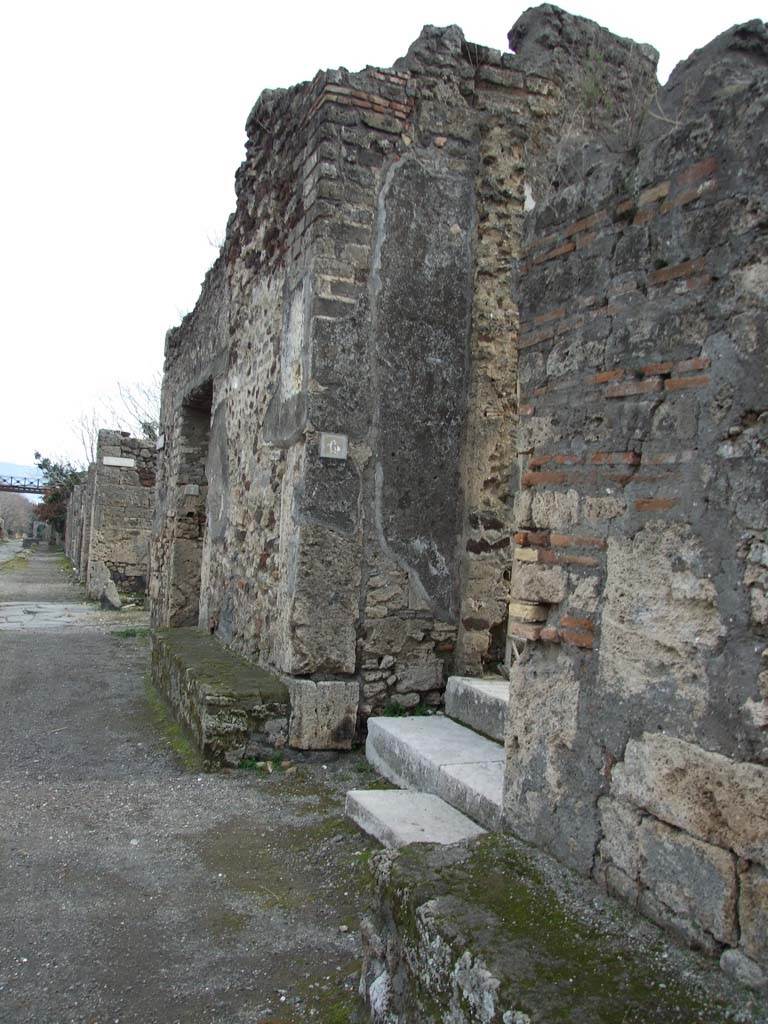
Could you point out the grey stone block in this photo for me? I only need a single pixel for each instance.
(744, 970)
(480, 704)
(710, 796)
(398, 818)
(323, 714)
(695, 880)
(753, 914)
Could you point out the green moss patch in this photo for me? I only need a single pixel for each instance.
(559, 960)
(170, 730)
(15, 564)
(219, 670)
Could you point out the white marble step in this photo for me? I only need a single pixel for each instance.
(436, 755)
(480, 704)
(398, 817)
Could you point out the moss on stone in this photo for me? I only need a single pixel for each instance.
(15, 564)
(170, 730)
(554, 962)
(219, 670)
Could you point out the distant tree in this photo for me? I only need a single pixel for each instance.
(135, 408)
(59, 478)
(17, 512)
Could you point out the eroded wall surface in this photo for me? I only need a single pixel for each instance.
(359, 293)
(637, 745)
(109, 516)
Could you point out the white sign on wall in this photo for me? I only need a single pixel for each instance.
(333, 446)
(114, 460)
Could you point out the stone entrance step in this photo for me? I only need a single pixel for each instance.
(397, 817)
(439, 756)
(480, 704)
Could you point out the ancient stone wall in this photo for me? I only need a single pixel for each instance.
(358, 294)
(73, 530)
(637, 745)
(482, 357)
(109, 516)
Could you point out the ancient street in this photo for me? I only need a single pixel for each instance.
(135, 888)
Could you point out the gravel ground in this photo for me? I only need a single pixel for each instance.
(135, 888)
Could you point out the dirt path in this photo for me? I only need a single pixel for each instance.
(133, 887)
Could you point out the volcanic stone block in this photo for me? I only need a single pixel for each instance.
(695, 880)
(323, 714)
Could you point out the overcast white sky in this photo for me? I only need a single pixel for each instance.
(122, 127)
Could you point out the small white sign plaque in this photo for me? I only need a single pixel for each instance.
(333, 446)
(160, 443)
(113, 460)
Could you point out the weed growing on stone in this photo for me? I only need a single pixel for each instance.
(396, 711)
(255, 764)
(170, 730)
(132, 632)
(15, 564)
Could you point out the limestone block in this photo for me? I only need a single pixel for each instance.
(538, 583)
(660, 618)
(753, 914)
(405, 700)
(399, 817)
(325, 602)
(695, 880)
(548, 794)
(323, 714)
(555, 510)
(524, 611)
(710, 796)
(109, 596)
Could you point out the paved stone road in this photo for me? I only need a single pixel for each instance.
(9, 549)
(133, 888)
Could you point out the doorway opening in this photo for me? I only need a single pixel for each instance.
(191, 507)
